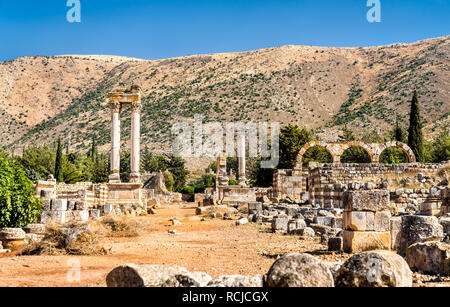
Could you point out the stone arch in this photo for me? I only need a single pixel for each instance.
(326, 146)
(368, 148)
(405, 148)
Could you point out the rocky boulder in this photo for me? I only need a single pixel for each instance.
(429, 258)
(374, 269)
(299, 270)
(188, 280)
(135, 276)
(237, 281)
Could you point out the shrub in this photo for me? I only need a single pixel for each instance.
(18, 206)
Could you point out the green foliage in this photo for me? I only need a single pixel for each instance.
(59, 176)
(393, 156)
(317, 154)
(233, 182)
(347, 135)
(177, 167)
(38, 160)
(169, 180)
(292, 139)
(355, 155)
(187, 190)
(438, 150)
(398, 134)
(18, 206)
(415, 138)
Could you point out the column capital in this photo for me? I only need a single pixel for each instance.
(115, 106)
(136, 107)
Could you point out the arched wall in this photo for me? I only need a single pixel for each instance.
(337, 149)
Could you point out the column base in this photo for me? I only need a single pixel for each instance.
(114, 178)
(243, 182)
(135, 178)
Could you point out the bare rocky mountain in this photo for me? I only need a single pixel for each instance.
(320, 88)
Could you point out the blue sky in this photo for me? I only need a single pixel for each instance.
(162, 29)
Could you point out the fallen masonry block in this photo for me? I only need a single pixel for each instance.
(95, 213)
(80, 216)
(280, 224)
(445, 222)
(324, 220)
(359, 241)
(336, 244)
(429, 258)
(12, 238)
(359, 220)
(59, 217)
(419, 229)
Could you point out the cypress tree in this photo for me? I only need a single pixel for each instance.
(415, 138)
(59, 163)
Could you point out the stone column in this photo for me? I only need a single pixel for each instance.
(135, 175)
(115, 142)
(241, 158)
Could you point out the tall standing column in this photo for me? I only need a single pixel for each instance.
(135, 176)
(115, 142)
(241, 158)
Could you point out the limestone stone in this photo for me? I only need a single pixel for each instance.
(46, 204)
(306, 232)
(12, 234)
(429, 257)
(374, 269)
(359, 241)
(188, 280)
(445, 222)
(382, 221)
(280, 224)
(419, 229)
(335, 244)
(359, 220)
(34, 228)
(299, 270)
(242, 221)
(59, 204)
(363, 200)
(396, 232)
(136, 276)
(237, 281)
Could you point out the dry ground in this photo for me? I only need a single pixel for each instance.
(213, 246)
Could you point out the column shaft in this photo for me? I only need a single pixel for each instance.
(115, 146)
(135, 144)
(241, 159)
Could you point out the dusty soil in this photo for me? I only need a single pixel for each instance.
(213, 246)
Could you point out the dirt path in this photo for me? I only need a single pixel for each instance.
(213, 246)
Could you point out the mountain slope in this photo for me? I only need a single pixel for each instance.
(321, 88)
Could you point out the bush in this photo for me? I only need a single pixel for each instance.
(188, 190)
(18, 206)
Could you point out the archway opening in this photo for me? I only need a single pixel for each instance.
(356, 155)
(394, 155)
(316, 154)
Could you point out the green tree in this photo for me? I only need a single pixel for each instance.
(18, 206)
(176, 166)
(292, 139)
(59, 176)
(398, 134)
(415, 137)
(347, 135)
(439, 149)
